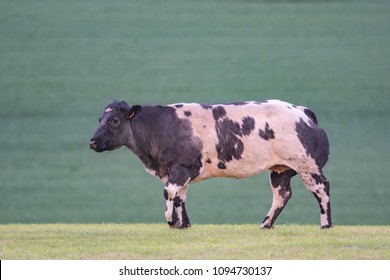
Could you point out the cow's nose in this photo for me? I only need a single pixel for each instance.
(92, 144)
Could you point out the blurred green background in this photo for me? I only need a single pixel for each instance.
(61, 62)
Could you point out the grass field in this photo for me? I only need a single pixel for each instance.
(156, 241)
(61, 62)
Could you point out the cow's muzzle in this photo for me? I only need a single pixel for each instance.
(93, 144)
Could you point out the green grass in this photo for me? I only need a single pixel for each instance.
(157, 241)
(61, 62)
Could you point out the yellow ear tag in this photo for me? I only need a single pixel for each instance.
(132, 115)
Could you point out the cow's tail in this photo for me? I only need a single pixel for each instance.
(309, 113)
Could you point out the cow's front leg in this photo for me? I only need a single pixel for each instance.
(170, 191)
(179, 203)
(175, 212)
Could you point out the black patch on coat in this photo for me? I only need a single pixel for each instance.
(267, 133)
(186, 221)
(182, 174)
(229, 134)
(248, 125)
(166, 144)
(261, 102)
(177, 201)
(206, 106)
(282, 179)
(229, 145)
(237, 103)
(311, 115)
(315, 142)
(187, 113)
(319, 200)
(319, 178)
(179, 105)
(175, 218)
(265, 219)
(221, 165)
(208, 160)
(219, 112)
(327, 189)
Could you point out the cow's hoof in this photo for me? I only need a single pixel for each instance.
(174, 224)
(327, 226)
(266, 226)
(177, 225)
(184, 226)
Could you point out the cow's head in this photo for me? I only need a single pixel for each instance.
(114, 127)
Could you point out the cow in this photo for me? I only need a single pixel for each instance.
(185, 143)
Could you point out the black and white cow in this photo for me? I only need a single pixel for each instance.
(189, 142)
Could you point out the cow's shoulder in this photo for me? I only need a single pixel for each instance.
(161, 124)
(164, 140)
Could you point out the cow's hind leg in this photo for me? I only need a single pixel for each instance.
(318, 184)
(281, 190)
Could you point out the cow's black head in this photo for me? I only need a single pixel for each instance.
(114, 128)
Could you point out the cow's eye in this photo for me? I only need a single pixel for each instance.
(114, 121)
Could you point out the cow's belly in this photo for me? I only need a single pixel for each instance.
(234, 169)
(250, 164)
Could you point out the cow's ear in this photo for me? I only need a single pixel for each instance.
(134, 110)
